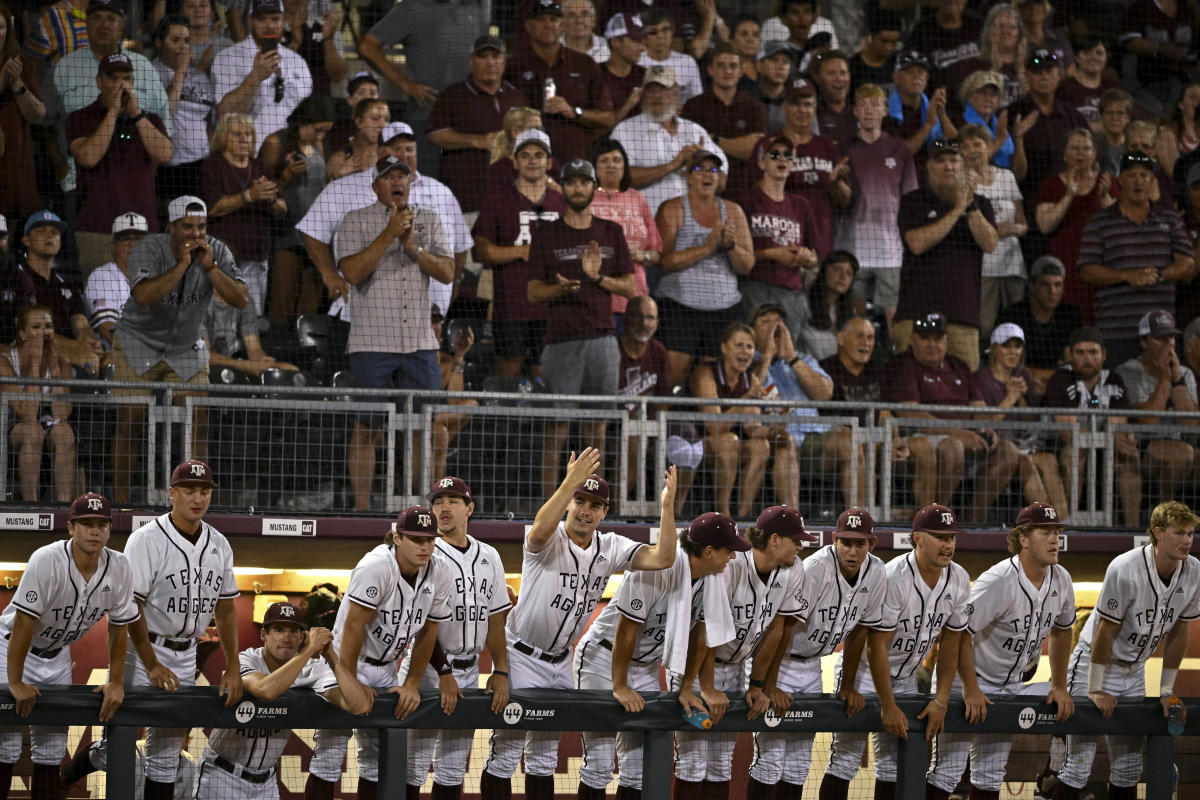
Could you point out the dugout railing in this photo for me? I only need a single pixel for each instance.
(551, 710)
(284, 449)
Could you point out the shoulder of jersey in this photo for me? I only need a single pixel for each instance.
(959, 573)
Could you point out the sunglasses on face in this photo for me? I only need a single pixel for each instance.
(776, 155)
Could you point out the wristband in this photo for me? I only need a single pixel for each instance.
(246, 196)
(1166, 686)
(792, 361)
(1178, 383)
(973, 207)
(937, 702)
(135, 120)
(599, 279)
(503, 672)
(755, 683)
(1096, 677)
(23, 90)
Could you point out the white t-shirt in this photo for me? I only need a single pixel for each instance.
(233, 64)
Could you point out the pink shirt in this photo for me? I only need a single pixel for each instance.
(629, 210)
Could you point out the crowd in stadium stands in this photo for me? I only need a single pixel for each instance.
(963, 202)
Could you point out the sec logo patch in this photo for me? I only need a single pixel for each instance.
(637, 605)
(31, 596)
(372, 592)
(1112, 604)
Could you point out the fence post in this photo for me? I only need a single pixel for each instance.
(122, 757)
(657, 764)
(1160, 767)
(393, 762)
(910, 766)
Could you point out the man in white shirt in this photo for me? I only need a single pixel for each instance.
(108, 286)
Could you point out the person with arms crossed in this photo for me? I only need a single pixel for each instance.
(65, 589)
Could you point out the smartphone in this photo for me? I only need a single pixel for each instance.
(269, 44)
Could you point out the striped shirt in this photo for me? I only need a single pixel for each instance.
(61, 29)
(1113, 240)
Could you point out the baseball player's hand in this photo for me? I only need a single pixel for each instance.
(25, 695)
(977, 703)
(114, 694)
(1061, 699)
(578, 469)
(758, 701)
(781, 701)
(369, 694)
(630, 700)
(407, 700)
(854, 701)
(670, 484)
(450, 692)
(934, 716)
(317, 641)
(894, 721)
(163, 678)
(717, 703)
(690, 702)
(1105, 702)
(497, 686)
(231, 687)
(1166, 706)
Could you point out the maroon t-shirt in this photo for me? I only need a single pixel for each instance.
(865, 387)
(508, 219)
(1084, 99)
(247, 230)
(948, 276)
(909, 123)
(948, 384)
(22, 287)
(812, 167)
(619, 88)
(1065, 390)
(501, 174)
(778, 224)
(944, 46)
(123, 180)
(838, 126)
(1146, 18)
(576, 79)
(743, 116)
(558, 250)
(1044, 142)
(646, 375)
(465, 108)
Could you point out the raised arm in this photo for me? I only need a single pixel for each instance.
(662, 555)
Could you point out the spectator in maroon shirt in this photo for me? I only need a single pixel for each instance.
(947, 37)
(734, 120)
(1086, 80)
(912, 116)
(926, 375)
(361, 86)
(835, 113)
(622, 74)
(116, 147)
(577, 262)
(1040, 120)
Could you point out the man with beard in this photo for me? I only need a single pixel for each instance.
(577, 262)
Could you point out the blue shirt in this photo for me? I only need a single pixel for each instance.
(784, 385)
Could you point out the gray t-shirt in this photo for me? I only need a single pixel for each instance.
(170, 330)
(1140, 385)
(226, 326)
(437, 38)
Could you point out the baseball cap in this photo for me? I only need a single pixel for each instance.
(450, 485)
(661, 74)
(541, 7)
(114, 62)
(932, 323)
(854, 523)
(799, 89)
(1158, 323)
(44, 217)
(1193, 174)
(1005, 331)
(264, 7)
(186, 206)
(700, 156)
(284, 613)
(1047, 265)
(1193, 329)
(416, 521)
(1086, 333)
(579, 168)
(625, 24)
(780, 139)
(364, 76)
(785, 521)
(115, 6)
(192, 471)
(943, 147)
(767, 308)
(775, 47)
(487, 42)
(717, 530)
(1041, 58)
(911, 58)
(90, 506)
(130, 221)
(1136, 158)
(935, 518)
(394, 130)
(1040, 514)
(388, 163)
(596, 487)
(532, 136)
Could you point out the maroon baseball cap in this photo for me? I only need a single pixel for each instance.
(799, 89)
(416, 521)
(90, 506)
(935, 518)
(193, 471)
(284, 613)
(854, 523)
(114, 62)
(779, 140)
(596, 487)
(1040, 515)
(1158, 323)
(712, 529)
(785, 522)
(451, 485)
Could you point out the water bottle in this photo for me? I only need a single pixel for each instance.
(550, 89)
(1174, 716)
(698, 718)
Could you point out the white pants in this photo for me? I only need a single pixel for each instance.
(329, 745)
(540, 747)
(448, 751)
(1126, 682)
(703, 756)
(988, 753)
(787, 756)
(48, 743)
(593, 670)
(214, 783)
(845, 754)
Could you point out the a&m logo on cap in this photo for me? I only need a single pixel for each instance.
(287, 611)
(95, 504)
(854, 521)
(1050, 513)
(424, 520)
(947, 518)
(198, 470)
(446, 483)
(591, 485)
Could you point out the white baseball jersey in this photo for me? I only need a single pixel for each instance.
(63, 605)
(1146, 607)
(918, 612)
(401, 608)
(1009, 618)
(479, 592)
(834, 607)
(106, 293)
(756, 602)
(561, 584)
(179, 583)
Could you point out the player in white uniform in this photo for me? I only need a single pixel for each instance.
(845, 588)
(240, 762)
(398, 595)
(765, 586)
(479, 603)
(65, 589)
(564, 571)
(1146, 593)
(1013, 608)
(926, 596)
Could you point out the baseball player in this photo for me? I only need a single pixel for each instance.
(65, 589)
(624, 647)
(1013, 608)
(565, 568)
(240, 762)
(926, 596)
(478, 606)
(1145, 593)
(398, 595)
(182, 576)
(765, 585)
(846, 585)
